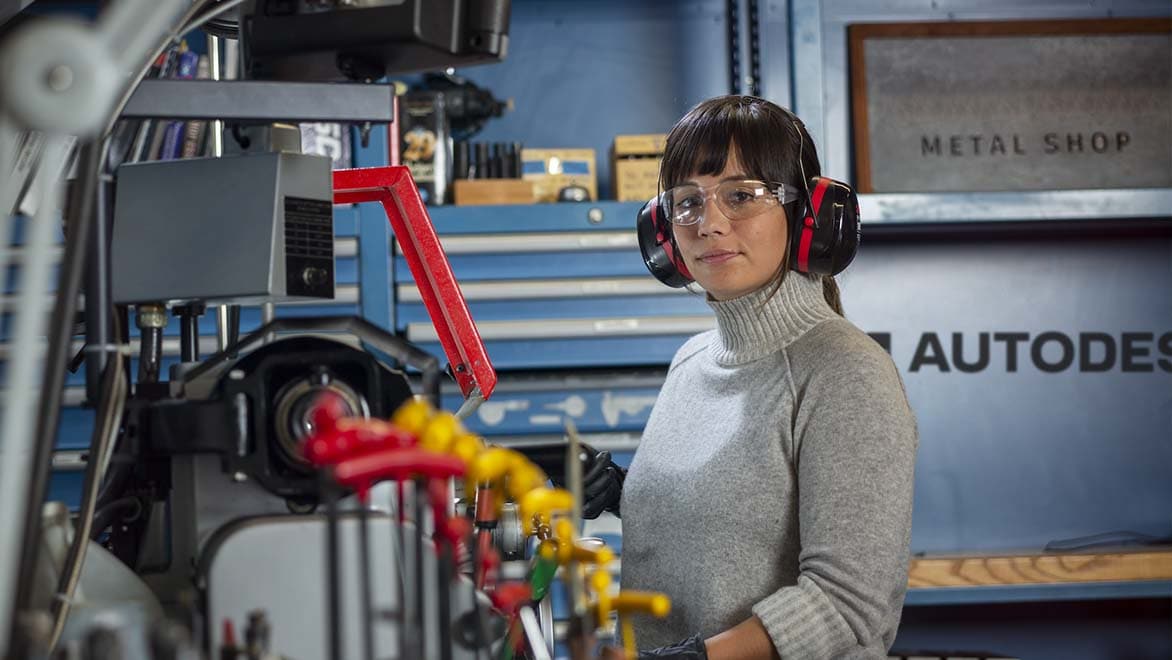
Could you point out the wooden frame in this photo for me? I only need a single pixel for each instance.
(859, 34)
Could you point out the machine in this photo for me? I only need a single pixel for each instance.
(294, 493)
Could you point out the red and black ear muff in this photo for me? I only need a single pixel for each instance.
(658, 245)
(824, 236)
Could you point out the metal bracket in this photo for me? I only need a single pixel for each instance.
(394, 188)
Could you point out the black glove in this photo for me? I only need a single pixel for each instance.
(602, 483)
(602, 480)
(691, 648)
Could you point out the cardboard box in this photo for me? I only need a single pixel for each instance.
(635, 166)
(471, 192)
(550, 170)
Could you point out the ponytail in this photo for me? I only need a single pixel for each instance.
(831, 293)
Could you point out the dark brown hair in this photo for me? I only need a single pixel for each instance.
(768, 142)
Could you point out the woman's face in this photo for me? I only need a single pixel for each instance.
(732, 258)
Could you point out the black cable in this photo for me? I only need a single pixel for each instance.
(60, 336)
(117, 476)
(108, 514)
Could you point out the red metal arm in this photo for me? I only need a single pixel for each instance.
(394, 188)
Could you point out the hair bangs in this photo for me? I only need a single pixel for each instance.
(762, 139)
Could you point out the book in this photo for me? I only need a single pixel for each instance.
(163, 67)
(172, 146)
(194, 132)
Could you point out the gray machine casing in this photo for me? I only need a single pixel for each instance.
(246, 229)
(277, 563)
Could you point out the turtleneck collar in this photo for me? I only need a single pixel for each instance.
(751, 327)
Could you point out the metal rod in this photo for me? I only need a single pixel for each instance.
(25, 467)
(399, 549)
(444, 575)
(367, 597)
(268, 312)
(533, 636)
(580, 635)
(189, 332)
(215, 70)
(151, 353)
(419, 493)
(97, 286)
(216, 144)
(333, 570)
(445, 558)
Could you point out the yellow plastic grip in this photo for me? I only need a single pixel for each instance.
(600, 583)
(439, 432)
(644, 602)
(543, 502)
(466, 447)
(490, 466)
(523, 478)
(598, 556)
(412, 416)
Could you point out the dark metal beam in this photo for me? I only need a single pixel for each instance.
(261, 101)
(10, 8)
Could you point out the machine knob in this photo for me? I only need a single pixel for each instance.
(314, 276)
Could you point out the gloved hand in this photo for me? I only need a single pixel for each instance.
(602, 483)
(691, 648)
(602, 480)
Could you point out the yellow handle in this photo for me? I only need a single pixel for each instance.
(440, 432)
(597, 556)
(629, 648)
(466, 447)
(600, 583)
(490, 466)
(524, 477)
(542, 502)
(412, 416)
(642, 602)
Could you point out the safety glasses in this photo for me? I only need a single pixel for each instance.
(737, 199)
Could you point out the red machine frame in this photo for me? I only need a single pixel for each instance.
(393, 187)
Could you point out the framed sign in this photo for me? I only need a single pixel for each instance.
(1021, 105)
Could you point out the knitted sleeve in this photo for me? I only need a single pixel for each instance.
(854, 451)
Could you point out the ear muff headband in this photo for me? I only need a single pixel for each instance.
(808, 225)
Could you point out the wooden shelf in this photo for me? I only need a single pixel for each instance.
(1038, 569)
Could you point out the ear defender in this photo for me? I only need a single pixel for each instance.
(823, 239)
(658, 244)
(824, 234)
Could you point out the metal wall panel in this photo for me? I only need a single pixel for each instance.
(580, 73)
(1054, 446)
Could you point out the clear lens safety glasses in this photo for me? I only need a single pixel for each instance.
(738, 199)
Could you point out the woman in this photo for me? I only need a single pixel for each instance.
(771, 494)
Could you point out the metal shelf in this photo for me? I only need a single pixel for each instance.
(1037, 593)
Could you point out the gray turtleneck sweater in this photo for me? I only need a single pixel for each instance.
(774, 479)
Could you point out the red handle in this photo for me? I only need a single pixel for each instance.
(509, 597)
(397, 464)
(328, 410)
(351, 438)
